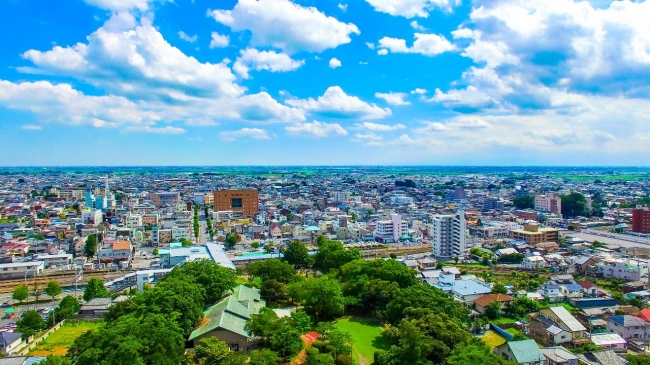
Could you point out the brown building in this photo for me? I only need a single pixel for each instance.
(641, 220)
(244, 201)
(533, 235)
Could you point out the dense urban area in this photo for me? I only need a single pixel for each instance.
(325, 266)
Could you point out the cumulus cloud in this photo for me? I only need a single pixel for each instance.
(419, 91)
(335, 103)
(219, 40)
(186, 37)
(316, 129)
(253, 133)
(120, 5)
(378, 127)
(415, 25)
(156, 130)
(334, 63)
(285, 25)
(411, 8)
(200, 122)
(425, 44)
(394, 98)
(272, 61)
(31, 127)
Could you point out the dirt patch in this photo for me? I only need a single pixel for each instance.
(54, 351)
(362, 360)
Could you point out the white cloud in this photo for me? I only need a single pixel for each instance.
(335, 103)
(316, 129)
(31, 127)
(120, 5)
(494, 54)
(411, 8)
(285, 25)
(368, 137)
(343, 7)
(425, 44)
(393, 98)
(156, 130)
(415, 25)
(378, 127)
(186, 37)
(419, 91)
(370, 45)
(254, 133)
(264, 60)
(219, 40)
(200, 122)
(334, 63)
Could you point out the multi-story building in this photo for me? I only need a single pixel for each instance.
(163, 199)
(93, 216)
(390, 230)
(629, 327)
(493, 203)
(448, 234)
(401, 199)
(533, 234)
(627, 269)
(180, 232)
(641, 220)
(548, 203)
(338, 196)
(244, 201)
(133, 220)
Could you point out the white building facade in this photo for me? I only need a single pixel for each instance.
(448, 235)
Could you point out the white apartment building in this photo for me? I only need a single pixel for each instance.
(180, 232)
(448, 234)
(390, 230)
(338, 196)
(548, 203)
(401, 199)
(496, 229)
(133, 220)
(93, 217)
(627, 269)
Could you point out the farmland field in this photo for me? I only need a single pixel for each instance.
(58, 343)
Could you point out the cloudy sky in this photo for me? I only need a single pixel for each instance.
(325, 82)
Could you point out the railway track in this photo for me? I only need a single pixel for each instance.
(8, 286)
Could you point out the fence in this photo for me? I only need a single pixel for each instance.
(23, 351)
(501, 332)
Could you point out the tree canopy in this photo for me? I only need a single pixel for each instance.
(21, 292)
(297, 254)
(524, 202)
(574, 205)
(95, 289)
(214, 279)
(90, 248)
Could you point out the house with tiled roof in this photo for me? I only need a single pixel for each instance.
(484, 301)
(227, 319)
(629, 327)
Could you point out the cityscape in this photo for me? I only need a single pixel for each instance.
(341, 182)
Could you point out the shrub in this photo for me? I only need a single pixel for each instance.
(319, 344)
(330, 349)
(344, 359)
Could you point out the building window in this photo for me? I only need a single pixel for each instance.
(236, 203)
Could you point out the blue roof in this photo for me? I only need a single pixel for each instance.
(573, 287)
(469, 287)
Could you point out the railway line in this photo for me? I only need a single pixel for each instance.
(64, 279)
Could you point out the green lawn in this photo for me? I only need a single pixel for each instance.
(367, 337)
(57, 343)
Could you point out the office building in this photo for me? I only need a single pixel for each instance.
(164, 199)
(533, 234)
(641, 220)
(244, 201)
(448, 234)
(493, 203)
(548, 203)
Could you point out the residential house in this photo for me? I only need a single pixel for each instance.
(605, 357)
(629, 327)
(571, 290)
(95, 307)
(559, 355)
(484, 301)
(589, 288)
(523, 352)
(533, 262)
(10, 341)
(561, 318)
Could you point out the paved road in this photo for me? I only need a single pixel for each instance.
(612, 243)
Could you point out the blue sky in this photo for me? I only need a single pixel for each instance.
(306, 82)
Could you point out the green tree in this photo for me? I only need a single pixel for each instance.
(95, 289)
(273, 290)
(424, 296)
(499, 288)
(324, 298)
(264, 357)
(574, 205)
(185, 242)
(90, 248)
(272, 269)
(151, 339)
(68, 308)
(524, 202)
(216, 280)
(280, 334)
(332, 255)
(155, 251)
(211, 350)
(493, 310)
(36, 291)
(53, 288)
(297, 254)
(320, 240)
(255, 245)
(231, 240)
(20, 293)
(30, 323)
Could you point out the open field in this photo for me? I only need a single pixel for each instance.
(492, 339)
(367, 337)
(59, 342)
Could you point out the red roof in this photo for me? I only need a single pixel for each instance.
(587, 284)
(644, 314)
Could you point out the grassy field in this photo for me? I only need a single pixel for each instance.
(57, 343)
(367, 336)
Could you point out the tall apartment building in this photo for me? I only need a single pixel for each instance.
(493, 203)
(447, 233)
(245, 201)
(390, 230)
(163, 199)
(641, 220)
(548, 203)
(338, 196)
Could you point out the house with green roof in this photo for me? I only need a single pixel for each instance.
(524, 352)
(226, 320)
